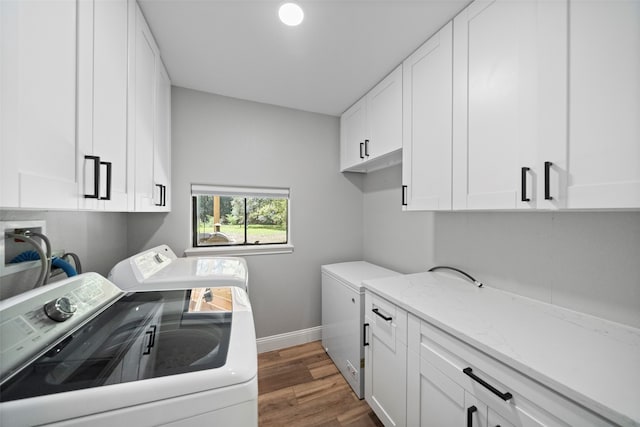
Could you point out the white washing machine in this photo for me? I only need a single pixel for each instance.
(160, 268)
(343, 327)
(84, 352)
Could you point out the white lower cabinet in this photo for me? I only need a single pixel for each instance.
(386, 360)
(450, 383)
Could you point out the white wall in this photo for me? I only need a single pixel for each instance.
(220, 140)
(585, 261)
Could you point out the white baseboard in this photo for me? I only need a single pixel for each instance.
(289, 339)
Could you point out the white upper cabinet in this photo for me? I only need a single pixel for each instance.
(427, 122)
(102, 104)
(353, 133)
(149, 118)
(38, 104)
(162, 147)
(371, 130)
(509, 101)
(604, 105)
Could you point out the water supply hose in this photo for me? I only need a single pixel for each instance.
(468, 276)
(42, 256)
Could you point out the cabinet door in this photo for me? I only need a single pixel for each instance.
(502, 50)
(162, 146)
(385, 362)
(102, 101)
(353, 134)
(142, 109)
(384, 116)
(38, 104)
(426, 151)
(604, 135)
(435, 399)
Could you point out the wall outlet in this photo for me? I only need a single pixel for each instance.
(10, 248)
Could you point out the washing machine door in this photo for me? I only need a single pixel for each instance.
(141, 335)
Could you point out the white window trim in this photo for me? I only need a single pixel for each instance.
(240, 250)
(247, 250)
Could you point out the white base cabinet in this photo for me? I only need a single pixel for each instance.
(386, 360)
(451, 383)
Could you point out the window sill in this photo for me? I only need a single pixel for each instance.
(239, 250)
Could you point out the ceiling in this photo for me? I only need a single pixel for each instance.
(239, 48)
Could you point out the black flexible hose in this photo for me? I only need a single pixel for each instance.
(468, 276)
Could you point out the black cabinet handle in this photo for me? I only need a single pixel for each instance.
(523, 181)
(364, 335)
(163, 195)
(504, 396)
(547, 181)
(386, 318)
(96, 177)
(470, 411)
(361, 147)
(366, 148)
(404, 195)
(152, 339)
(161, 187)
(108, 196)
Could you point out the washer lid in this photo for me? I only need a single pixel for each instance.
(141, 336)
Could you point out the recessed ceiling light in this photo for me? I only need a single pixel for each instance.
(291, 14)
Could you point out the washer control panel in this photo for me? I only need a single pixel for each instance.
(31, 322)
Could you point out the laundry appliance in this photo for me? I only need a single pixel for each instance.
(160, 268)
(343, 327)
(84, 352)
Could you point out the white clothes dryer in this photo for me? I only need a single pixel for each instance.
(84, 352)
(160, 268)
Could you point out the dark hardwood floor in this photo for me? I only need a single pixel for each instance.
(300, 386)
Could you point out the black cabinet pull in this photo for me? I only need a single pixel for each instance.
(470, 411)
(361, 147)
(523, 181)
(152, 339)
(108, 196)
(547, 181)
(160, 186)
(386, 318)
(504, 396)
(96, 177)
(163, 195)
(366, 148)
(404, 195)
(364, 335)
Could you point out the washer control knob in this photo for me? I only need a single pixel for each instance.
(60, 309)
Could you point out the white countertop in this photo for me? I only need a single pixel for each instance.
(592, 361)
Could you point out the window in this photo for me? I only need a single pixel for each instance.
(239, 216)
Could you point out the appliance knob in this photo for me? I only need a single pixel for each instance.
(60, 309)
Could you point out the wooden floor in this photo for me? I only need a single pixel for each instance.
(300, 386)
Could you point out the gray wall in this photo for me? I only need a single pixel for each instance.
(99, 239)
(220, 140)
(585, 261)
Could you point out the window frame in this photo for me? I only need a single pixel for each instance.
(242, 248)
